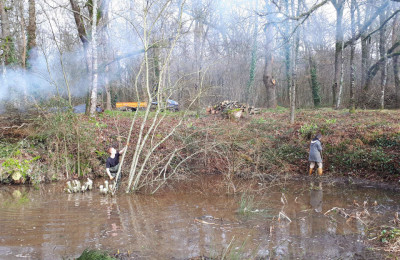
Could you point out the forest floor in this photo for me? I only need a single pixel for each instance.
(364, 144)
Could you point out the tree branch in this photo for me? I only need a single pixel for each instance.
(375, 68)
(366, 25)
(383, 24)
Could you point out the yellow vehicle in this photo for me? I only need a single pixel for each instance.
(130, 105)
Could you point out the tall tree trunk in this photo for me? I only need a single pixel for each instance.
(396, 70)
(108, 94)
(253, 62)
(8, 49)
(200, 36)
(365, 53)
(352, 51)
(93, 97)
(337, 84)
(23, 46)
(295, 52)
(315, 87)
(156, 65)
(83, 36)
(31, 30)
(287, 50)
(382, 53)
(105, 7)
(268, 80)
(23, 39)
(79, 23)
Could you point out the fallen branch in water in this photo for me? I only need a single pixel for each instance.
(339, 210)
(355, 215)
(281, 214)
(203, 222)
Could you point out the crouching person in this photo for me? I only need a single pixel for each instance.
(112, 163)
(315, 154)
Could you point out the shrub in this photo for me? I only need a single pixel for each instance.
(95, 255)
(18, 169)
(308, 130)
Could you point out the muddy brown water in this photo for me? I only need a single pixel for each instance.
(46, 223)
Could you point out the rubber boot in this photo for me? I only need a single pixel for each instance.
(320, 171)
(310, 172)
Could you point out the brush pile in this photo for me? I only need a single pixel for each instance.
(229, 105)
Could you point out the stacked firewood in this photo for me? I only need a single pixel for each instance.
(227, 105)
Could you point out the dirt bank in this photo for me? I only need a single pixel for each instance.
(363, 145)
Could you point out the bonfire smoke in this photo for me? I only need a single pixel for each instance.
(50, 71)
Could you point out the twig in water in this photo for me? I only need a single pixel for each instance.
(283, 199)
(284, 216)
(339, 210)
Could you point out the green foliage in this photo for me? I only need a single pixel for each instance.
(308, 130)
(374, 159)
(325, 130)
(388, 235)
(230, 112)
(69, 139)
(290, 153)
(387, 141)
(17, 167)
(97, 123)
(259, 121)
(6, 149)
(95, 255)
(278, 109)
(9, 49)
(330, 121)
(100, 153)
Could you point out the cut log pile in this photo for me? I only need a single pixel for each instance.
(75, 186)
(106, 188)
(237, 108)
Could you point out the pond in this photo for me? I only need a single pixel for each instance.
(286, 221)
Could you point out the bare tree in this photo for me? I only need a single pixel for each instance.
(295, 54)
(396, 70)
(337, 86)
(7, 40)
(352, 53)
(253, 62)
(382, 52)
(268, 79)
(94, 59)
(31, 30)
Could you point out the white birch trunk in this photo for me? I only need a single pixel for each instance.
(23, 47)
(93, 96)
(339, 96)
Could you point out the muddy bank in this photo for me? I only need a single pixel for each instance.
(280, 222)
(349, 181)
(364, 145)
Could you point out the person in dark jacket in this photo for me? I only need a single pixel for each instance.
(316, 154)
(112, 163)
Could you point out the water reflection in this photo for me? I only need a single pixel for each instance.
(52, 224)
(316, 196)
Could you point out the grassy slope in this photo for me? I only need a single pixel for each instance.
(364, 144)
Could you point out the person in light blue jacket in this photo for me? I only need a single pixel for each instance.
(316, 154)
